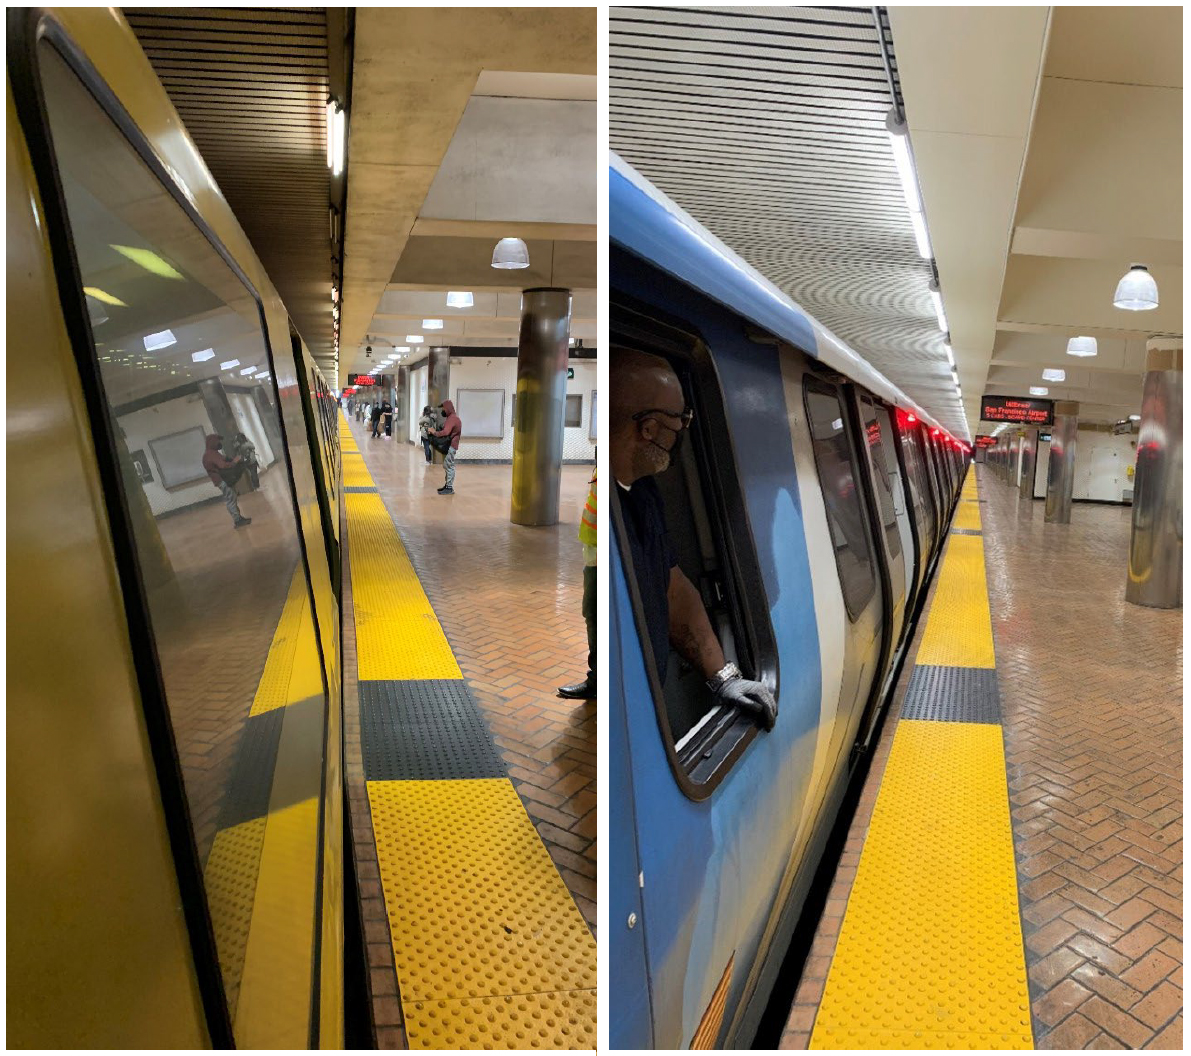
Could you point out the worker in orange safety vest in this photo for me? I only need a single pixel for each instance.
(586, 690)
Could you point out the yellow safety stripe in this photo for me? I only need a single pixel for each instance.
(490, 948)
(290, 674)
(930, 950)
(958, 626)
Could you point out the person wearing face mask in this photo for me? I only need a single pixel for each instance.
(648, 419)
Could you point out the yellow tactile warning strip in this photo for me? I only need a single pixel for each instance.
(397, 634)
(930, 950)
(230, 881)
(476, 898)
(967, 515)
(355, 473)
(958, 626)
(490, 949)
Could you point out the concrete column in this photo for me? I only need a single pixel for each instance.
(541, 405)
(401, 405)
(1156, 545)
(1060, 476)
(438, 383)
(1029, 453)
(219, 408)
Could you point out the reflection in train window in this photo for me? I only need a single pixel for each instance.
(186, 380)
(845, 512)
(924, 512)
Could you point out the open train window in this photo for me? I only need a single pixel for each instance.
(710, 538)
(837, 467)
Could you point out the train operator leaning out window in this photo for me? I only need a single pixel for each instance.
(648, 417)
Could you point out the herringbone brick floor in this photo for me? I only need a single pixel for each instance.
(1091, 690)
(509, 599)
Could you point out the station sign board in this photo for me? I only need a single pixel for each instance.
(1017, 410)
(985, 441)
(361, 379)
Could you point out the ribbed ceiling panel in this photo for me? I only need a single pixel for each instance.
(768, 126)
(251, 87)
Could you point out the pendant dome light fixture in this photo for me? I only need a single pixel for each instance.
(1082, 346)
(1137, 291)
(510, 254)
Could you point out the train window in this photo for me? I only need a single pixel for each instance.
(875, 437)
(920, 493)
(709, 535)
(181, 371)
(841, 497)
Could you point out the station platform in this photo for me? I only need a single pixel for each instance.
(472, 786)
(1012, 877)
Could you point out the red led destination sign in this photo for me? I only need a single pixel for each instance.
(361, 379)
(1017, 410)
(985, 441)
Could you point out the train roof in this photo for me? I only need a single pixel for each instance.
(645, 221)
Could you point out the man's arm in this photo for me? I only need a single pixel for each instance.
(691, 632)
(693, 637)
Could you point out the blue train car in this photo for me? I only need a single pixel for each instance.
(808, 510)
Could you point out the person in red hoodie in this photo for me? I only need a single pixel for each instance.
(214, 463)
(452, 427)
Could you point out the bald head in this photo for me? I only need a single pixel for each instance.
(641, 382)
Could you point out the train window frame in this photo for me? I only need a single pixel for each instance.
(812, 383)
(29, 29)
(705, 754)
(889, 527)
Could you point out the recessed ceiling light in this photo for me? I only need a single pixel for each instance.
(248, 370)
(154, 342)
(460, 299)
(203, 356)
(1081, 346)
(1054, 374)
(414, 339)
(401, 348)
(1038, 390)
(1135, 417)
(229, 364)
(262, 374)
(431, 324)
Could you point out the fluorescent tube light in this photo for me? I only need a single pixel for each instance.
(1054, 374)
(229, 364)
(156, 342)
(1039, 390)
(460, 299)
(203, 356)
(936, 297)
(431, 324)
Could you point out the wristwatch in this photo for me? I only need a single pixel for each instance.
(724, 675)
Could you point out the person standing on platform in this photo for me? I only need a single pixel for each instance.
(387, 413)
(223, 474)
(426, 425)
(586, 690)
(452, 427)
(377, 411)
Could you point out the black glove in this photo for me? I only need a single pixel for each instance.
(751, 697)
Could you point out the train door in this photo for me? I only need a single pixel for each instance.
(886, 533)
(920, 497)
(837, 458)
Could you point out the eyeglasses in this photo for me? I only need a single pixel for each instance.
(686, 415)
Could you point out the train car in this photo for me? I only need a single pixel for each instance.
(808, 508)
(175, 829)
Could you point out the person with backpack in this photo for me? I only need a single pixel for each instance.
(224, 473)
(426, 424)
(377, 411)
(448, 443)
(387, 416)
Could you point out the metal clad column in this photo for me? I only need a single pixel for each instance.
(438, 384)
(401, 405)
(1029, 453)
(541, 405)
(1156, 545)
(1060, 477)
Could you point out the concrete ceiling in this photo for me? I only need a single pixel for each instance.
(1048, 143)
(429, 189)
